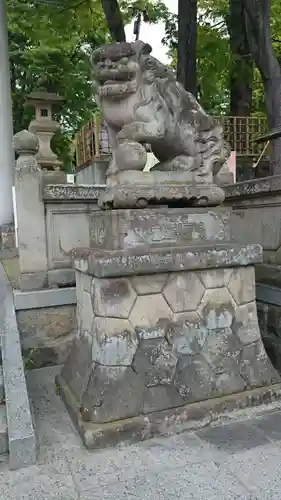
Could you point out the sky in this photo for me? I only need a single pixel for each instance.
(153, 34)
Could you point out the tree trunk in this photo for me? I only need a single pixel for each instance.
(242, 69)
(114, 20)
(187, 38)
(257, 16)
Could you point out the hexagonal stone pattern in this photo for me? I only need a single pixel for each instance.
(145, 285)
(155, 362)
(187, 333)
(217, 309)
(86, 314)
(113, 298)
(161, 398)
(242, 285)
(162, 341)
(148, 310)
(114, 341)
(229, 383)
(245, 324)
(83, 283)
(194, 379)
(113, 393)
(184, 291)
(78, 367)
(256, 368)
(222, 350)
(215, 278)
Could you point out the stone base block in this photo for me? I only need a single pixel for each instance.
(172, 193)
(166, 422)
(127, 229)
(154, 342)
(33, 281)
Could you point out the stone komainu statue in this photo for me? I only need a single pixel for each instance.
(142, 102)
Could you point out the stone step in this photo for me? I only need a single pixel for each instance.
(4, 445)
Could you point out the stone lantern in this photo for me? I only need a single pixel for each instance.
(44, 126)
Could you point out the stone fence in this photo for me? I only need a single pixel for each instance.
(53, 217)
(256, 217)
(256, 214)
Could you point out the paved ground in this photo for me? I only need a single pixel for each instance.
(239, 459)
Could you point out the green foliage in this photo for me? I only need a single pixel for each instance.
(213, 62)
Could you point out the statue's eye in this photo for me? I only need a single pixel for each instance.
(149, 64)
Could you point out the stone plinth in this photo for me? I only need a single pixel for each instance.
(165, 333)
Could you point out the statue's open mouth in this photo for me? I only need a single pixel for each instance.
(111, 76)
(116, 82)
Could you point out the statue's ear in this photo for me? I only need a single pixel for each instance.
(142, 48)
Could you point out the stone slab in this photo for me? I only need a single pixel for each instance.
(201, 481)
(22, 441)
(256, 187)
(125, 229)
(34, 281)
(233, 437)
(72, 192)
(258, 469)
(36, 299)
(174, 420)
(104, 264)
(64, 277)
(171, 193)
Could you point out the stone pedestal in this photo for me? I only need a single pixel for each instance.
(167, 325)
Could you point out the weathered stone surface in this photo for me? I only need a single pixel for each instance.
(46, 324)
(256, 187)
(256, 368)
(127, 229)
(155, 362)
(245, 324)
(114, 341)
(183, 292)
(83, 284)
(229, 383)
(105, 263)
(78, 366)
(148, 310)
(161, 398)
(217, 309)
(194, 139)
(222, 350)
(145, 285)
(187, 333)
(194, 379)
(71, 192)
(142, 196)
(86, 314)
(242, 285)
(153, 332)
(113, 393)
(216, 278)
(113, 297)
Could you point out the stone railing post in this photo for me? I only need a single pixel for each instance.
(30, 213)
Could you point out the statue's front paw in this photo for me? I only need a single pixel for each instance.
(130, 155)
